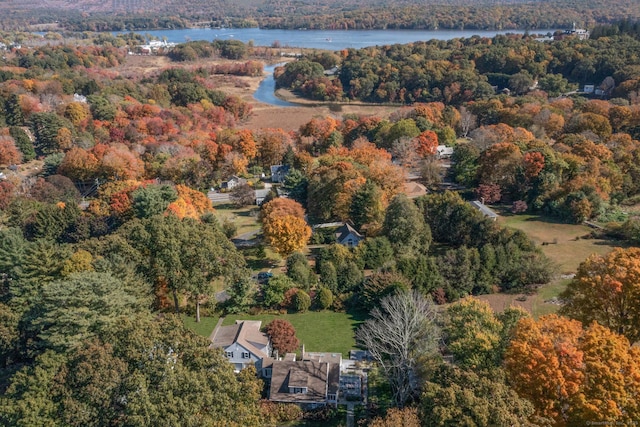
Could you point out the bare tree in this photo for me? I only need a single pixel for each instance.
(468, 121)
(242, 195)
(399, 333)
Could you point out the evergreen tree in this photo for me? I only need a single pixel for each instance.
(23, 143)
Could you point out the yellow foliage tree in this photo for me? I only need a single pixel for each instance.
(286, 234)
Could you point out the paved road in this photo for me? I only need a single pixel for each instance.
(215, 330)
(216, 197)
(351, 419)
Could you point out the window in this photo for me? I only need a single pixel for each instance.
(245, 355)
(267, 372)
(229, 354)
(331, 397)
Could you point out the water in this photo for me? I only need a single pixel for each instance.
(319, 39)
(315, 39)
(266, 91)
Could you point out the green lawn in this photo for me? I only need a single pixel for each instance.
(546, 292)
(245, 218)
(204, 328)
(325, 331)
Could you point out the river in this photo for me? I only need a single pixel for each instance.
(319, 39)
(266, 91)
(314, 39)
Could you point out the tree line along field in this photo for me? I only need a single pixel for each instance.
(114, 233)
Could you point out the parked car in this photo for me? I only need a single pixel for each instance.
(264, 276)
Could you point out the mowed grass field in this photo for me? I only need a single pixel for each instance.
(325, 331)
(204, 328)
(244, 218)
(566, 244)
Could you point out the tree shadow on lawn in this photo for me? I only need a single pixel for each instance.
(358, 317)
(547, 219)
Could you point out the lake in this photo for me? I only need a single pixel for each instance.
(319, 39)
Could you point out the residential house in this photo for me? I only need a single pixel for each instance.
(311, 382)
(243, 343)
(443, 152)
(279, 173)
(261, 194)
(413, 189)
(233, 182)
(484, 209)
(348, 236)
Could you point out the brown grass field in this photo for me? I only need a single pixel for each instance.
(566, 244)
(264, 115)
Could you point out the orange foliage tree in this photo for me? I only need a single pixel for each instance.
(427, 142)
(190, 203)
(9, 154)
(405, 417)
(280, 207)
(79, 165)
(544, 364)
(573, 376)
(606, 289)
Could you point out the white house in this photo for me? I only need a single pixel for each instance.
(348, 236)
(243, 343)
(233, 182)
(443, 152)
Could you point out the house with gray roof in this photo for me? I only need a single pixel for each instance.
(484, 210)
(348, 236)
(311, 382)
(243, 343)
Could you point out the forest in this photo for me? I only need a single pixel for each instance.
(89, 15)
(108, 241)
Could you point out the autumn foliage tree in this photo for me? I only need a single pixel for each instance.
(284, 226)
(573, 375)
(286, 234)
(544, 364)
(9, 153)
(283, 336)
(606, 289)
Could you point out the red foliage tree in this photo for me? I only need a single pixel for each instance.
(427, 143)
(9, 154)
(6, 194)
(283, 336)
(533, 164)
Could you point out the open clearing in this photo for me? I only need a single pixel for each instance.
(204, 328)
(325, 331)
(566, 244)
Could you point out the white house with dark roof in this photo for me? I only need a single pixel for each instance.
(348, 236)
(243, 343)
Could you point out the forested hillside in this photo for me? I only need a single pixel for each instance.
(327, 14)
